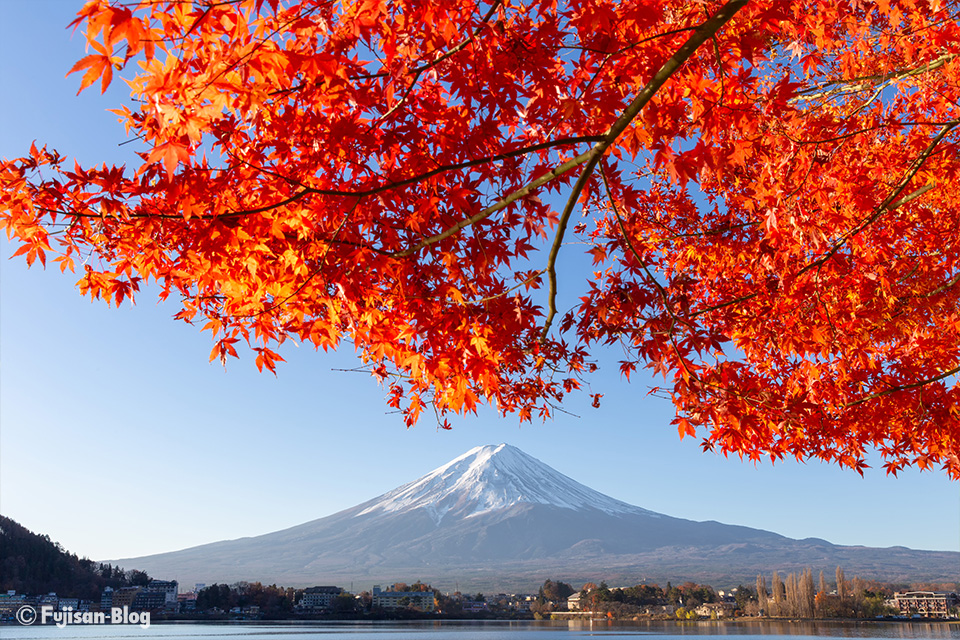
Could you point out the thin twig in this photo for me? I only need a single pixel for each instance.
(419, 70)
(536, 275)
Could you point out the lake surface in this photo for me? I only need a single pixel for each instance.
(494, 630)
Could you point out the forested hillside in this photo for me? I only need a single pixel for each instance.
(33, 563)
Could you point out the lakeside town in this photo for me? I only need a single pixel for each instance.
(794, 597)
(40, 580)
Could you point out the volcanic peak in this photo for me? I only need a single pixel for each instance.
(493, 477)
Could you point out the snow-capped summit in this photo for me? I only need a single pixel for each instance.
(493, 477)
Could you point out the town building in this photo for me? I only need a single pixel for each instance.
(106, 599)
(522, 602)
(929, 604)
(10, 603)
(122, 597)
(716, 609)
(168, 588)
(147, 600)
(50, 600)
(397, 600)
(318, 598)
(187, 601)
(473, 606)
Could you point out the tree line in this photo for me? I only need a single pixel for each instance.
(798, 596)
(795, 595)
(272, 600)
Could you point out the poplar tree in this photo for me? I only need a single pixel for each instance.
(777, 594)
(761, 592)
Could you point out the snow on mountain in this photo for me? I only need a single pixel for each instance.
(494, 477)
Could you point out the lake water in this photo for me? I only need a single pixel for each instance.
(497, 630)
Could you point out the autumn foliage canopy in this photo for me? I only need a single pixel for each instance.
(769, 191)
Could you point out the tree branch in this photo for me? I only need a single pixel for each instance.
(950, 283)
(307, 190)
(703, 33)
(890, 202)
(903, 387)
(862, 83)
(416, 71)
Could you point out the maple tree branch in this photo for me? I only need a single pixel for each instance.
(535, 275)
(499, 205)
(911, 197)
(853, 85)
(721, 305)
(903, 387)
(463, 43)
(621, 51)
(455, 167)
(703, 33)
(660, 290)
(890, 202)
(322, 262)
(636, 255)
(307, 190)
(949, 283)
(709, 232)
(242, 58)
(840, 137)
(417, 178)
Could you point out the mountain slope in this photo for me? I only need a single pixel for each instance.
(498, 518)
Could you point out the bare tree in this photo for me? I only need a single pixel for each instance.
(776, 587)
(791, 596)
(821, 597)
(807, 594)
(856, 594)
(761, 593)
(841, 585)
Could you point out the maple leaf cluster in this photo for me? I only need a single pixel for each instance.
(768, 191)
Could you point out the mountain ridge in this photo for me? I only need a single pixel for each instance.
(496, 517)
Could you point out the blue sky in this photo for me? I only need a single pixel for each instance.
(118, 438)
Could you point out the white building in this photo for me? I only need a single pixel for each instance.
(396, 600)
(318, 598)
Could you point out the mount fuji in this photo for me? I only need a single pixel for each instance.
(497, 518)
